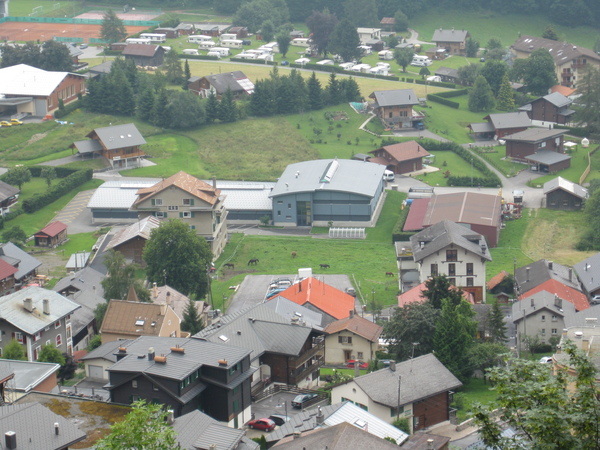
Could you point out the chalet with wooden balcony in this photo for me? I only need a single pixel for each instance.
(453, 41)
(554, 108)
(395, 108)
(184, 197)
(119, 144)
(286, 341)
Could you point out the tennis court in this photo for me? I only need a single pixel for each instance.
(130, 15)
(32, 31)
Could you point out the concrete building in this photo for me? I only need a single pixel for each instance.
(351, 338)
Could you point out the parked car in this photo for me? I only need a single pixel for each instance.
(15, 122)
(83, 46)
(301, 399)
(546, 360)
(279, 419)
(361, 364)
(386, 362)
(595, 300)
(262, 424)
(4, 123)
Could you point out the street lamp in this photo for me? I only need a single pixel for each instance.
(471, 171)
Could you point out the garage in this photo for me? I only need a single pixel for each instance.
(96, 372)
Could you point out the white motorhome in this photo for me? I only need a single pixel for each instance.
(223, 51)
(347, 65)
(386, 55)
(325, 62)
(420, 61)
(190, 51)
(361, 68)
(365, 50)
(246, 55)
(198, 38)
(154, 37)
(434, 78)
(265, 57)
(378, 70)
(300, 42)
(138, 41)
(302, 61)
(272, 46)
(385, 66)
(206, 45)
(232, 43)
(213, 53)
(227, 37)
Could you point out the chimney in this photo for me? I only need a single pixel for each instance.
(170, 417)
(160, 359)
(46, 306)
(212, 447)
(28, 304)
(550, 265)
(10, 440)
(557, 301)
(570, 274)
(320, 416)
(527, 274)
(169, 298)
(214, 180)
(56, 428)
(392, 366)
(154, 291)
(430, 444)
(351, 315)
(151, 354)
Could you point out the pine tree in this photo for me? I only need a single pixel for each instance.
(122, 94)
(334, 92)
(191, 322)
(158, 109)
(172, 67)
(351, 90)
(315, 93)
(187, 74)
(212, 107)
(145, 104)
(227, 107)
(481, 97)
(300, 91)
(496, 324)
(506, 101)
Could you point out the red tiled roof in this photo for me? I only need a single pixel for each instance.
(52, 229)
(564, 90)
(328, 299)
(416, 295)
(565, 292)
(416, 215)
(6, 270)
(185, 182)
(405, 151)
(357, 325)
(496, 280)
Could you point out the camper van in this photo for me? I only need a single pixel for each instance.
(388, 175)
(273, 47)
(232, 43)
(325, 62)
(384, 66)
(420, 61)
(365, 50)
(378, 70)
(434, 78)
(198, 38)
(386, 55)
(246, 55)
(420, 192)
(154, 37)
(223, 51)
(347, 65)
(300, 42)
(213, 53)
(207, 45)
(227, 37)
(190, 51)
(138, 41)
(361, 68)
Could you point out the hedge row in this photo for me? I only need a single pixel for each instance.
(436, 83)
(59, 113)
(397, 233)
(36, 172)
(489, 179)
(579, 132)
(61, 188)
(437, 99)
(455, 93)
(204, 57)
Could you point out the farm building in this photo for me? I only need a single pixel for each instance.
(564, 194)
(345, 192)
(400, 158)
(145, 55)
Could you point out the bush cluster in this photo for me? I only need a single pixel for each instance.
(61, 188)
(62, 112)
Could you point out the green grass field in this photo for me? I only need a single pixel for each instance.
(23, 8)
(475, 391)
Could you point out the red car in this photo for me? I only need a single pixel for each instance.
(262, 424)
(361, 364)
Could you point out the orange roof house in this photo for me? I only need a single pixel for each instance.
(563, 291)
(186, 183)
(496, 280)
(52, 235)
(415, 295)
(320, 297)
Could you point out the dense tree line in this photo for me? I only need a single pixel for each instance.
(288, 94)
(51, 55)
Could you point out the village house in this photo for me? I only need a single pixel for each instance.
(166, 295)
(500, 125)
(238, 83)
(52, 235)
(541, 147)
(400, 158)
(351, 338)
(144, 55)
(453, 41)
(554, 108)
(564, 195)
(8, 196)
(26, 265)
(368, 34)
(131, 240)
(395, 108)
(586, 269)
(17, 378)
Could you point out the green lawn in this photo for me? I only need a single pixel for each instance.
(496, 156)
(475, 391)
(23, 8)
(447, 161)
(509, 247)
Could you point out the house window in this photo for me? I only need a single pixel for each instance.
(359, 355)
(135, 398)
(543, 331)
(390, 115)
(19, 337)
(452, 281)
(434, 270)
(160, 215)
(57, 324)
(554, 331)
(280, 202)
(289, 206)
(469, 282)
(58, 340)
(396, 411)
(470, 269)
(172, 208)
(48, 342)
(37, 336)
(543, 317)
(554, 318)
(134, 384)
(186, 215)
(234, 369)
(345, 339)
(157, 202)
(68, 331)
(451, 269)
(188, 202)
(192, 227)
(451, 255)
(278, 213)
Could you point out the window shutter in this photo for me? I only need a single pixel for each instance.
(181, 215)
(192, 202)
(192, 214)
(153, 202)
(165, 215)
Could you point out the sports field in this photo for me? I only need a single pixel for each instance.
(29, 31)
(130, 15)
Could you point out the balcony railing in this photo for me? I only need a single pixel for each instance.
(301, 373)
(299, 360)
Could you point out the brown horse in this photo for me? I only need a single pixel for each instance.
(229, 265)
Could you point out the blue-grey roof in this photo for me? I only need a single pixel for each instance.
(565, 185)
(547, 157)
(509, 120)
(13, 311)
(26, 263)
(289, 310)
(587, 271)
(34, 424)
(304, 421)
(485, 127)
(444, 233)
(343, 175)
(27, 374)
(119, 136)
(395, 97)
(452, 35)
(87, 280)
(88, 146)
(587, 317)
(178, 366)
(558, 100)
(534, 135)
(107, 351)
(247, 197)
(119, 194)
(447, 72)
(541, 300)
(542, 270)
(7, 191)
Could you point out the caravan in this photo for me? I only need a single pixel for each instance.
(300, 42)
(420, 61)
(232, 43)
(386, 55)
(199, 38)
(138, 41)
(154, 37)
(190, 51)
(207, 45)
(222, 51)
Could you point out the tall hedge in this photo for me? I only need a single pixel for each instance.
(36, 172)
(437, 99)
(55, 192)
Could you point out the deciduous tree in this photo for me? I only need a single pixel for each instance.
(550, 33)
(177, 256)
(468, 74)
(494, 71)
(48, 173)
(120, 277)
(184, 110)
(400, 21)
(588, 111)
(113, 29)
(49, 353)
(16, 235)
(344, 40)
(539, 73)
(55, 56)
(403, 57)
(321, 25)
(283, 42)
(17, 176)
(485, 355)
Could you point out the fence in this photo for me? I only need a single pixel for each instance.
(347, 233)
(68, 39)
(69, 20)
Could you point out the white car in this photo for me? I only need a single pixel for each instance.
(546, 360)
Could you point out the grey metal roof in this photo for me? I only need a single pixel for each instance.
(87, 280)
(422, 377)
(178, 366)
(7, 191)
(589, 273)
(27, 374)
(236, 81)
(118, 194)
(447, 72)
(242, 197)
(197, 430)
(452, 35)
(34, 427)
(355, 177)
(288, 310)
(304, 421)
(88, 146)
(534, 135)
(120, 136)
(558, 100)
(107, 351)
(547, 157)
(540, 272)
(509, 120)
(142, 229)
(26, 263)
(104, 67)
(395, 97)
(260, 329)
(587, 317)
(13, 311)
(445, 233)
(485, 127)
(538, 301)
(565, 185)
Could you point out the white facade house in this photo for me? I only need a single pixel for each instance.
(367, 34)
(351, 338)
(456, 251)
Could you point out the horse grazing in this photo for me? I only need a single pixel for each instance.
(325, 266)
(253, 261)
(229, 265)
(389, 274)
(293, 254)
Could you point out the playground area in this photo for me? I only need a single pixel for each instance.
(32, 31)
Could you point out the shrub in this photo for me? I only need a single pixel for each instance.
(72, 181)
(65, 110)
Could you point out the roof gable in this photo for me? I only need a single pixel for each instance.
(357, 325)
(567, 186)
(464, 207)
(134, 318)
(441, 35)
(142, 50)
(118, 136)
(501, 121)
(186, 183)
(562, 52)
(235, 81)
(395, 97)
(141, 229)
(52, 229)
(563, 291)
(22, 79)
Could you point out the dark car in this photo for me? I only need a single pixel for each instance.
(285, 63)
(350, 364)
(246, 42)
(301, 399)
(279, 419)
(262, 424)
